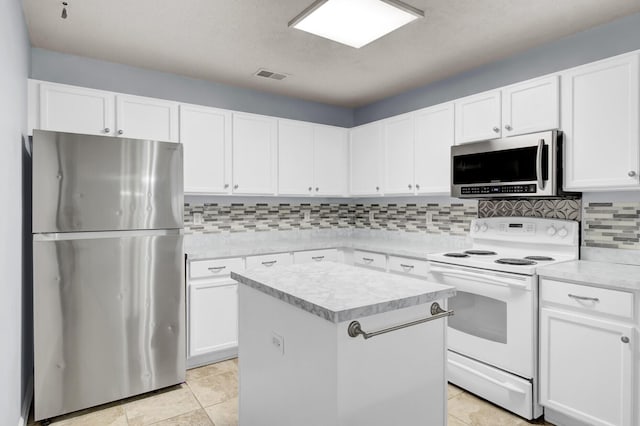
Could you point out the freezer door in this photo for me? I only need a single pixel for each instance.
(109, 319)
(99, 183)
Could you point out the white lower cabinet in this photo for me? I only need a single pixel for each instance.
(213, 317)
(586, 361)
(309, 256)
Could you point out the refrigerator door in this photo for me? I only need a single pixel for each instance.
(99, 183)
(109, 317)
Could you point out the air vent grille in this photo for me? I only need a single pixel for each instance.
(270, 74)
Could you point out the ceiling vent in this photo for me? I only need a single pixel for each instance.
(270, 74)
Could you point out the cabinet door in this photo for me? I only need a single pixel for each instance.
(205, 134)
(366, 159)
(478, 117)
(331, 161)
(586, 369)
(398, 155)
(146, 118)
(295, 158)
(213, 317)
(254, 154)
(531, 106)
(434, 138)
(75, 110)
(600, 123)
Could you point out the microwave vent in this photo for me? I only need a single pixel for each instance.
(270, 74)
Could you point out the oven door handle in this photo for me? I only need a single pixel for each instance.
(539, 164)
(489, 280)
(505, 385)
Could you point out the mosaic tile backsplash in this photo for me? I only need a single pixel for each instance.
(547, 208)
(612, 225)
(452, 219)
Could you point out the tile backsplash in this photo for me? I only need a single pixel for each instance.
(563, 208)
(612, 225)
(434, 218)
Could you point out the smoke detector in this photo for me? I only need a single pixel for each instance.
(270, 74)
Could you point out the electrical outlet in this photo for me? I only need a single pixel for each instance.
(307, 215)
(429, 218)
(278, 342)
(197, 218)
(371, 217)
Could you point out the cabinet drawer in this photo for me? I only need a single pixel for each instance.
(408, 266)
(372, 260)
(587, 298)
(215, 267)
(331, 255)
(268, 260)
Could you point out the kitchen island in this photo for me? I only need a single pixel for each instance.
(310, 352)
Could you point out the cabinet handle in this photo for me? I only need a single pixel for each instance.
(269, 263)
(377, 188)
(367, 259)
(631, 173)
(317, 189)
(417, 186)
(216, 268)
(317, 258)
(120, 131)
(410, 186)
(588, 299)
(624, 339)
(405, 266)
(508, 127)
(235, 186)
(310, 189)
(107, 130)
(226, 185)
(496, 129)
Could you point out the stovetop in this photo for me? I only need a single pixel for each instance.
(516, 244)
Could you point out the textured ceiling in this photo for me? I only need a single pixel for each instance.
(228, 41)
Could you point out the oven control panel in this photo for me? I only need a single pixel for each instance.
(539, 230)
(518, 228)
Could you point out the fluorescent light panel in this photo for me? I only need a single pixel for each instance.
(355, 23)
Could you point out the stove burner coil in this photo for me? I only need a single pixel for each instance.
(540, 258)
(519, 262)
(481, 252)
(456, 255)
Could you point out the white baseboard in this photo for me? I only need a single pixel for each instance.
(26, 404)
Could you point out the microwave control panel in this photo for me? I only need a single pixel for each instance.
(498, 189)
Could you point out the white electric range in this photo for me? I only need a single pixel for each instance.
(493, 336)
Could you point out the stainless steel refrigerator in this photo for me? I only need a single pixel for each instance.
(108, 263)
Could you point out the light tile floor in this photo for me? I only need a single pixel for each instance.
(210, 398)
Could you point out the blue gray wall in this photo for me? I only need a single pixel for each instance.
(619, 36)
(16, 364)
(81, 71)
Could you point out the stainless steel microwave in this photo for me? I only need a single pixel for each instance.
(520, 166)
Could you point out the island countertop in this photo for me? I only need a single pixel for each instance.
(338, 292)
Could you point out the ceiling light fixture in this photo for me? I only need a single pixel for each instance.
(355, 23)
(64, 10)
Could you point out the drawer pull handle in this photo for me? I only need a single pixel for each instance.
(355, 329)
(269, 263)
(317, 258)
(367, 259)
(624, 339)
(406, 266)
(216, 268)
(587, 299)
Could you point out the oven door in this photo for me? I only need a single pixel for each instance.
(518, 166)
(494, 316)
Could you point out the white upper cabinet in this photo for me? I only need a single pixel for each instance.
(478, 117)
(295, 158)
(146, 118)
(254, 154)
(331, 161)
(205, 134)
(75, 110)
(434, 135)
(399, 154)
(600, 122)
(531, 106)
(366, 159)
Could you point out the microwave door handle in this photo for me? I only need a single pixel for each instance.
(539, 164)
(488, 280)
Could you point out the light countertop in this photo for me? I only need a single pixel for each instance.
(600, 274)
(338, 292)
